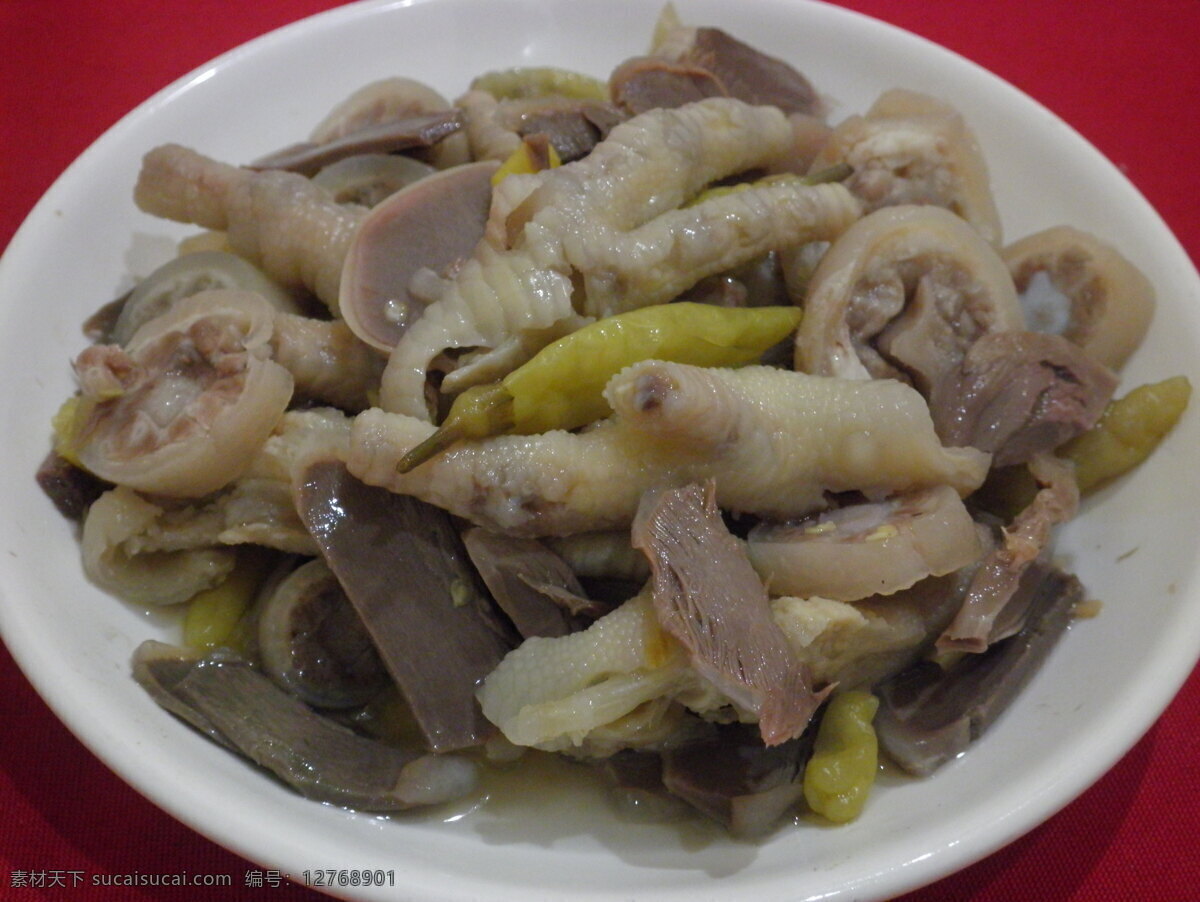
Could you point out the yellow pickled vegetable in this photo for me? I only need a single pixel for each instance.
(532, 156)
(215, 617)
(1128, 432)
(562, 386)
(667, 25)
(539, 81)
(845, 759)
(65, 425)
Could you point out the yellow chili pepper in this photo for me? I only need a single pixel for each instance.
(562, 387)
(1129, 430)
(845, 759)
(538, 81)
(65, 423)
(215, 617)
(535, 154)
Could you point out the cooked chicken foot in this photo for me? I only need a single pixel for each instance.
(277, 220)
(774, 440)
(605, 234)
(327, 361)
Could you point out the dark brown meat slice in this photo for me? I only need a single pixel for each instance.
(928, 716)
(240, 708)
(522, 575)
(405, 571)
(1016, 394)
(737, 780)
(414, 132)
(572, 130)
(100, 326)
(71, 489)
(637, 788)
(708, 596)
(712, 64)
(750, 75)
(649, 83)
(1026, 539)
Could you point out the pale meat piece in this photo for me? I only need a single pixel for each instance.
(1073, 284)
(901, 294)
(911, 148)
(251, 511)
(869, 548)
(163, 551)
(184, 407)
(554, 693)
(490, 136)
(858, 644)
(159, 578)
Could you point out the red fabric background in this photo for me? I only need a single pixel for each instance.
(1124, 74)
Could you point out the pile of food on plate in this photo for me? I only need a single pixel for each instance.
(662, 422)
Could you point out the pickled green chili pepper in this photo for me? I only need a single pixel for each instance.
(562, 386)
(1128, 431)
(216, 617)
(845, 758)
(539, 81)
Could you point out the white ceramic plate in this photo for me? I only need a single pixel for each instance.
(1105, 684)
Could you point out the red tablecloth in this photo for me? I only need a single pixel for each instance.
(1125, 74)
